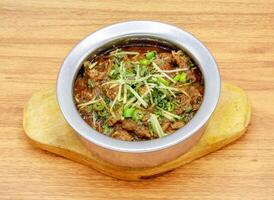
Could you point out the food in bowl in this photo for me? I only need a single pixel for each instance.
(137, 93)
(145, 153)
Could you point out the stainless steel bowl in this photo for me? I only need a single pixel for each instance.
(145, 153)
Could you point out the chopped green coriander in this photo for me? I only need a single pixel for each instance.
(170, 106)
(177, 77)
(129, 112)
(137, 115)
(145, 62)
(150, 55)
(98, 106)
(183, 77)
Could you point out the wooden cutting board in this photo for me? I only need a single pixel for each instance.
(47, 129)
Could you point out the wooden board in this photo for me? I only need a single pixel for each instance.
(35, 36)
(47, 129)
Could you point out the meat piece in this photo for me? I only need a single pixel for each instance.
(107, 66)
(129, 125)
(180, 59)
(97, 125)
(80, 84)
(113, 120)
(201, 89)
(165, 61)
(139, 130)
(146, 118)
(165, 125)
(169, 130)
(96, 91)
(196, 102)
(111, 93)
(193, 91)
(191, 75)
(87, 117)
(122, 135)
(143, 132)
(81, 91)
(196, 97)
(177, 124)
(182, 101)
(179, 110)
(84, 95)
(96, 75)
(166, 67)
(167, 58)
(194, 75)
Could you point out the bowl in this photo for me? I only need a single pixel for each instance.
(143, 153)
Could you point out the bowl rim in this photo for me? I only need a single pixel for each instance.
(183, 39)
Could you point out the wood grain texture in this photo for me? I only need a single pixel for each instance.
(35, 36)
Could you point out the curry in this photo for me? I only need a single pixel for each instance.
(138, 93)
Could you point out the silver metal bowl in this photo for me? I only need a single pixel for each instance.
(146, 153)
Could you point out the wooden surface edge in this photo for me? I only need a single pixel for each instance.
(130, 174)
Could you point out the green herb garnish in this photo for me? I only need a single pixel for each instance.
(106, 129)
(90, 83)
(145, 62)
(150, 55)
(182, 78)
(128, 112)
